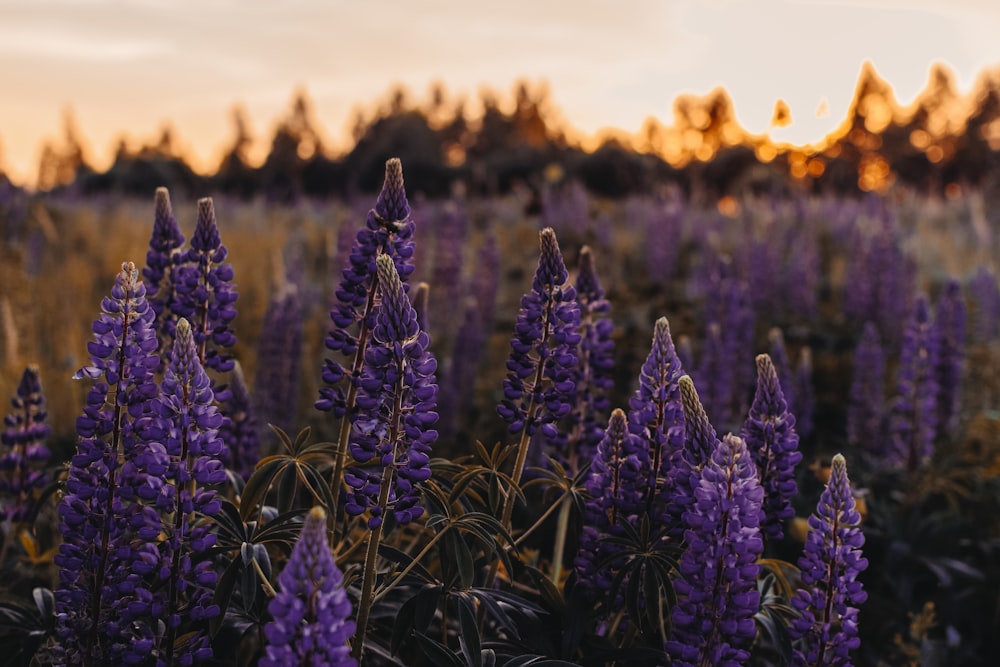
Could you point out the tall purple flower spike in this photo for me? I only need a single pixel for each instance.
(204, 292)
(388, 230)
(804, 392)
(595, 368)
(657, 418)
(311, 614)
(866, 404)
(539, 388)
(770, 436)
(985, 295)
(393, 431)
(162, 258)
(617, 486)
(950, 323)
(276, 382)
(914, 414)
(190, 432)
(700, 440)
(240, 430)
(827, 628)
(24, 451)
(108, 537)
(782, 365)
(713, 620)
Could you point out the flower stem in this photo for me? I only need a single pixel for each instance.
(560, 543)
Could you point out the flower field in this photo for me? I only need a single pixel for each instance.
(410, 431)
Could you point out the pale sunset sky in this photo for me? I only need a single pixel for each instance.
(130, 66)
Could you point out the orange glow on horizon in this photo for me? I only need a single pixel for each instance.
(701, 128)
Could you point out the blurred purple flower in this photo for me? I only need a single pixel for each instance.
(950, 322)
(279, 363)
(985, 295)
(827, 628)
(913, 420)
(866, 403)
(24, 452)
(804, 393)
(311, 621)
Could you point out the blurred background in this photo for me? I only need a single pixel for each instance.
(308, 98)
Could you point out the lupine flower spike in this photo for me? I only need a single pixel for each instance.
(311, 612)
(594, 371)
(161, 259)
(713, 620)
(617, 486)
(190, 434)
(388, 230)
(657, 417)
(769, 432)
(24, 450)
(539, 388)
(867, 399)
(827, 630)
(100, 567)
(393, 429)
(205, 294)
(915, 412)
(950, 324)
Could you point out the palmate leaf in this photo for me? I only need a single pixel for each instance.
(300, 465)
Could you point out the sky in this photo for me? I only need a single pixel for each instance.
(131, 66)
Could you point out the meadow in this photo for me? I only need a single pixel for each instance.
(521, 453)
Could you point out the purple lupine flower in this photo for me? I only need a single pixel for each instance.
(25, 453)
(713, 620)
(393, 431)
(100, 559)
(985, 295)
(827, 628)
(239, 430)
(804, 392)
(457, 394)
(802, 275)
(189, 430)
(769, 433)
(311, 613)
(700, 439)
(685, 352)
(782, 365)
(161, 259)
(950, 323)
(913, 421)
(617, 487)
(866, 404)
(279, 352)
(450, 234)
(421, 303)
(663, 219)
(388, 230)
(657, 418)
(204, 292)
(715, 374)
(486, 281)
(539, 388)
(595, 368)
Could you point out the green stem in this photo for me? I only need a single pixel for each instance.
(371, 557)
(413, 563)
(340, 465)
(560, 545)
